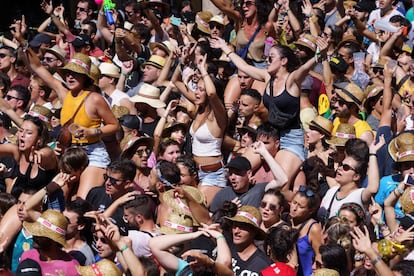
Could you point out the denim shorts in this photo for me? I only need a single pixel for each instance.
(217, 178)
(97, 154)
(293, 141)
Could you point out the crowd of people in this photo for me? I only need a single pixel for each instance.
(271, 138)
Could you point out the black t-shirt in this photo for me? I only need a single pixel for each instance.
(252, 266)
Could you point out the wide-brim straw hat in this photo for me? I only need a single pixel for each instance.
(51, 224)
(249, 215)
(173, 127)
(351, 93)
(166, 46)
(343, 133)
(177, 224)
(307, 41)
(202, 18)
(103, 267)
(156, 61)
(79, 63)
(57, 52)
(218, 19)
(43, 113)
(401, 148)
(323, 125)
(150, 95)
(119, 111)
(325, 272)
(94, 74)
(110, 70)
(132, 145)
(407, 204)
(180, 205)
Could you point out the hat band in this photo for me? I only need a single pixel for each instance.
(405, 153)
(308, 42)
(249, 217)
(375, 90)
(96, 270)
(177, 226)
(182, 205)
(149, 96)
(80, 63)
(51, 226)
(345, 135)
(201, 21)
(349, 94)
(40, 116)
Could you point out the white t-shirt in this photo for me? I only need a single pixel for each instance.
(354, 197)
(375, 15)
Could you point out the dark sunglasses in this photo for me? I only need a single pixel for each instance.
(243, 131)
(112, 180)
(346, 167)
(272, 207)
(341, 102)
(215, 25)
(3, 55)
(308, 192)
(249, 3)
(377, 70)
(49, 59)
(101, 76)
(81, 9)
(9, 97)
(102, 239)
(141, 152)
(84, 31)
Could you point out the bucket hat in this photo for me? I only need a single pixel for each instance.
(343, 133)
(150, 95)
(51, 224)
(249, 215)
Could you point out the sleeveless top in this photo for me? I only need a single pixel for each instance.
(70, 104)
(286, 103)
(256, 48)
(360, 127)
(305, 253)
(204, 143)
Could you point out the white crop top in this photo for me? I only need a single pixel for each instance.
(204, 143)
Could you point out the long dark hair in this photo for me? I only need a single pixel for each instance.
(42, 132)
(293, 61)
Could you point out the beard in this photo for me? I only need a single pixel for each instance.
(344, 114)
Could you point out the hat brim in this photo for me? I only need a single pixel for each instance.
(260, 234)
(301, 43)
(56, 54)
(128, 153)
(152, 102)
(348, 99)
(149, 62)
(165, 8)
(393, 151)
(70, 67)
(337, 141)
(167, 131)
(152, 45)
(37, 229)
(320, 128)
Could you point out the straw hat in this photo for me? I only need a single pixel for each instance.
(401, 148)
(351, 93)
(132, 145)
(57, 52)
(322, 124)
(166, 46)
(43, 113)
(150, 95)
(79, 63)
(202, 19)
(249, 215)
(51, 224)
(156, 61)
(218, 19)
(165, 7)
(343, 133)
(119, 111)
(325, 272)
(307, 41)
(109, 69)
(177, 224)
(94, 73)
(103, 267)
(407, 204)
(174, 126)
(349, 39)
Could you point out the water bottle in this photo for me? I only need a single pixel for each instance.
(268, 45)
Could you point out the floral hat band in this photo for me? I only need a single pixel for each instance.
(201, 21)
(40, 116)
(345, 135)
(405, 153)
(96, 270)
(80, 63)
(177, 226)
(248, 216)
(307, 41)
(51, 226)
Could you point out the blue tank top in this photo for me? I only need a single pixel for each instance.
(305, 254)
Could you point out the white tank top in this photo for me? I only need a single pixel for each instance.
(204, 143)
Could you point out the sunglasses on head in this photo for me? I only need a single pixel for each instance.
(306, 191)
(112, 180)
(346, 167)
(272, 207)
(213, 25)
(3, 55)
(141, 152)
(81, 9)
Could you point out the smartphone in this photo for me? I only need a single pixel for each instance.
(409, 180)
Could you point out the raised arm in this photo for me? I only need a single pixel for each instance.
(227, 7)
(389, 206)
(103, 27)
(373, 171)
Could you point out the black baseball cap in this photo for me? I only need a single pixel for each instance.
(240, 163)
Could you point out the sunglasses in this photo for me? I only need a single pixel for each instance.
(272, 207)
(112, 180)
(215, 25)
(377, 70)
(81, 9)
(9, 97)
(245, 131)
(346, 167)
(101, 239)
(249, 3)
(341, 102)
(49, 59)
(84, 31)
(141, 152)
(3, 55)
(308, 192)
(101, 76)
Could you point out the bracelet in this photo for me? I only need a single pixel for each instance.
(219, 237)
(227, 55)
(373, 154)
(123, 248)
(98, 132)
(399, 190)
(376, 260)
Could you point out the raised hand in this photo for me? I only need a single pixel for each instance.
(374, 147)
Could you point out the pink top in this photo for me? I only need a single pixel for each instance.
(53, 268)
